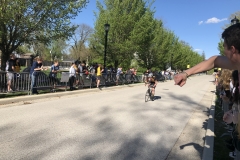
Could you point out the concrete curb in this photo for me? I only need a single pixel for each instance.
(209, 137)
(19, 99)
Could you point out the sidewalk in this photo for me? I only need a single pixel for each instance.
(197, 139)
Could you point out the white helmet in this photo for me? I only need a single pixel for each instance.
(150, 75)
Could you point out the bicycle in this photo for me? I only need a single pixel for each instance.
(149, 94)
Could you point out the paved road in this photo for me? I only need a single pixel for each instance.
(114, 124)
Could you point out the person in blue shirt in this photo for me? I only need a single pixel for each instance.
(36, 67)
(53, 74)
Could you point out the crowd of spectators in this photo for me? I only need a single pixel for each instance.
(227, 84)
(79, 72)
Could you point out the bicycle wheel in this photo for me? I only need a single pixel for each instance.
(147, 96)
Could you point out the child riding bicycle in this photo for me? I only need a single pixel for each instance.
(152, 83)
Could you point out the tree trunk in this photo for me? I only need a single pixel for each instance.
(116, 64)
(4, 59)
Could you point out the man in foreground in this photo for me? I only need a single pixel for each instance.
(231, 60)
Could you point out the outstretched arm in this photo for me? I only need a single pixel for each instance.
(215, 61)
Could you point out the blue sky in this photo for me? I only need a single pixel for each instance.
(197, 22)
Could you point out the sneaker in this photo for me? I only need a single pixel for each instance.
(52, 90)
(10, 91)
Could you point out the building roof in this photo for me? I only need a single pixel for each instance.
(26, 55)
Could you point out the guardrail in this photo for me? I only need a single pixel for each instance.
(23, 82)
(19, 81)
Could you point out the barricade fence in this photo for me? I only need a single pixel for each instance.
(24, 82)
(18, 81)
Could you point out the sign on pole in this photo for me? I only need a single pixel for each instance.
(65, 77)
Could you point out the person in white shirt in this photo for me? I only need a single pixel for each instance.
(72, 76)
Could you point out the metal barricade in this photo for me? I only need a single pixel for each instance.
(108, 79)
(44, 81)
(22, 82)
(139, 78)
(84, 80)
(3, 82)
(19, 82)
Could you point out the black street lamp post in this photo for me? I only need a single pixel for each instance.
(106, 27)
(234, 21)
(171, 60)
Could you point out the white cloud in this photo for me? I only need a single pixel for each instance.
(198, 50)
(200, 22)
(212, 20)
(215, 20)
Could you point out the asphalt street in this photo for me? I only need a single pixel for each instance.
(110, 124)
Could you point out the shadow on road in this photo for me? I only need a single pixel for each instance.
(157, 97)
(100, 135)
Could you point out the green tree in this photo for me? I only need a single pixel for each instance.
(220, 47)
(203, 56)
(124, 17)
(25, 48)
(27, 21)
(220, 44)
(184, 55)
(164, 46)
(143, 38)
(57, 48)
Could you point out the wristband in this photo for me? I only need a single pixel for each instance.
(186, 74)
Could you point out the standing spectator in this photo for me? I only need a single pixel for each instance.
(166, 73)
(128, 75)
(35, 69)
(79, 76)
(10, 67)
(225, 89)
(72, 76)
(134, 74)
(17, 67)
(99, 74)
(82, 70)
(119, 72)
(145, 75)
(53, 74)
(93, 74)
